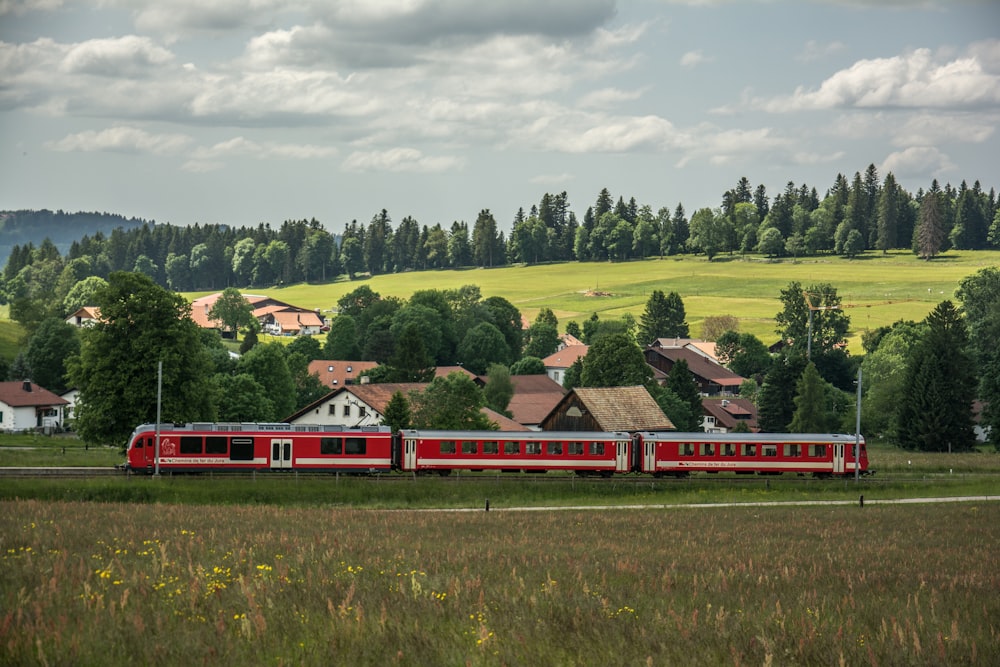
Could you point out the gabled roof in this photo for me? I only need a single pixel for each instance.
(701, 366)
(704, 347)
(505, 423)
(445, 371)
(620, 408)
(294, 320)
(28, 394)
(565, 357)
(534, 397)
(262, 306)
(729, 412)
(336, 373)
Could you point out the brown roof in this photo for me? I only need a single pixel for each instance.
(534, 397)
(445, 371)
(15, 395)
(729, 412)
(565, 357)
(378, 395)
(294, 320)
(624, 408)
(702, 367)
(262, 306)
(336, 373)
(505, 423)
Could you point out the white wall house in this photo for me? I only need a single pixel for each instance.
(25, 406)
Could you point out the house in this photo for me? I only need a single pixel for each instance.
(445, 371)
(275, 317)
(25, 406)
(713, 379)
(706, 348)
(607, 409)
(337, 373)
(70, 396)
(359, 405)
(722, 415)
(533, 399)
(557, 363)
(85, 316)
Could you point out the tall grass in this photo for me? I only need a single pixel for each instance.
(154, 584)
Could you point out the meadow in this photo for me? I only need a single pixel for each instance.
(113, 583)
(875, 289)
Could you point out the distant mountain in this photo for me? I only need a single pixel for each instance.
(24, 227)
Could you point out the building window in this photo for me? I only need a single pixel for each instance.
(347, 411)
(362, 411)
(333, 410)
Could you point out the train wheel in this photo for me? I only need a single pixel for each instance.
(444, 473)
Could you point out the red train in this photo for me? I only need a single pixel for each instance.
(217, 447)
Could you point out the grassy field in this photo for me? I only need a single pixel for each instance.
(116, 584)
(876, 290)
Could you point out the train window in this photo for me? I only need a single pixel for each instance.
(769, 450)
(331, 446)
(554, 448)
(575, 448)
(447, 447)
(533, 448)
(470, 447)
(597, 449)
(817, 451)
(511, 448)
(707, 449)
(749, 449)
(216, 444)
(686, 449)
(138, 444)
(191, 444)
(793, 450)
(729, 449)
(355, 446)
(491, 447)
(241, 449)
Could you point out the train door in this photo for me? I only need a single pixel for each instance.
(409, 454)
(281, 453)
(838, 459)
(649, 456)
(621, 456)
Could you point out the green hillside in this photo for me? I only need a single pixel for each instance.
(876, 290)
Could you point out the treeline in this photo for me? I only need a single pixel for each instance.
(865, 214)
(28, 227)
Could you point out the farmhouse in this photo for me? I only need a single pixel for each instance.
(275, 317)
(713, 379)
(607, 409)
(25, 406)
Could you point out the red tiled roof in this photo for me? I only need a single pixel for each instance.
(15, 395)
(565, 357)
(336, 373)
(534, 397)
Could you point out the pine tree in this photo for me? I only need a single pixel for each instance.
(682, 384)
(940, 386)
(930, 232)
(810, 399)
(397, 412)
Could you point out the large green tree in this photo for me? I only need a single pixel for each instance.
(681, 383)
(268, 365)
(940, 387)
(664, 317)
(614, 360)
(116, 371)
(453, 402)
(51, 345)
(810, 414)
(776, 401)
(980, 297)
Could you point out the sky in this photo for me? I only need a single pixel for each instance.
(243, 112)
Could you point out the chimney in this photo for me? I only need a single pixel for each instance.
(26, 386)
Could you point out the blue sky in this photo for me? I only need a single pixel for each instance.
(250, 111)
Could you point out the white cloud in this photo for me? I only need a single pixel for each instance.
(913, 80)
(19, 7)
(121, 139)
(399, 160)
(917, 161)
(609, 97)
(693, 59)
(933, 129)
(552, 179)
(123, 56)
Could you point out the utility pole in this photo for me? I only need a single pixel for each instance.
(809, 341)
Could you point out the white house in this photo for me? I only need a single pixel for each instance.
(25, 406)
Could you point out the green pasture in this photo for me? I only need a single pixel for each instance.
(875, 289)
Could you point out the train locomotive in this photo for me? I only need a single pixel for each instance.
(216, 447)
